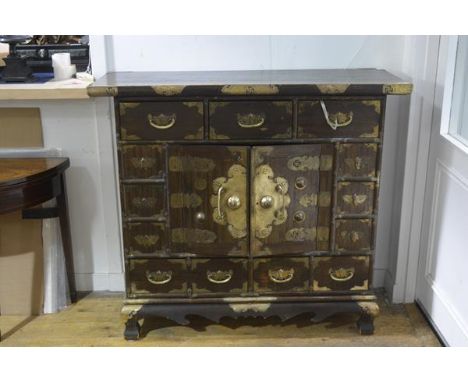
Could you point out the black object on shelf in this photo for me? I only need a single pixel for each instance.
(16, 68)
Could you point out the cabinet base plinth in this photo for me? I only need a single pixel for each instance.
(214, 312)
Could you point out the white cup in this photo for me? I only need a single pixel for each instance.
(64, 72)
(61, 59)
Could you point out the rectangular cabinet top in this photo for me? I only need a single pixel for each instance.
(313, 82)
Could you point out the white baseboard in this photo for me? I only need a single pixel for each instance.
(114, 282)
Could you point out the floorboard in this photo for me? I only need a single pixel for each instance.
(95, 321)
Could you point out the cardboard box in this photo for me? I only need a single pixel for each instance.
(21, 253)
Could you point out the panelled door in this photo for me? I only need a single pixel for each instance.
(208, 200)
(291, 198)
(275, 201)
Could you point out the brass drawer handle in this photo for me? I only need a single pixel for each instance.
(162, 121)
(159, 277)
(219, 277)
(341, 274)
(348, 118)
(249, 121)
(281, 275)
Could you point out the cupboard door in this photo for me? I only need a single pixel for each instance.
(291, 198)
(208, 200)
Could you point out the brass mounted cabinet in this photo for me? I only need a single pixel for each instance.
(249, 193)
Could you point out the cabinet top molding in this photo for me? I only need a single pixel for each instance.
(307, 82)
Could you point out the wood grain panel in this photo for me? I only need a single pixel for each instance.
(250, 120)
(161, 120)
(361, 117)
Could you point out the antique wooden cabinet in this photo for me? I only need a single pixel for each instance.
(249, 193)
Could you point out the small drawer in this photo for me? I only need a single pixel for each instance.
(281, 275)
(357, 160)
(144, 239)
(355, 198)
(353, 235)
(219, 276)
(340, 273)
(142, 161)
(251, 120)
(145, 200)
(339, 119)
(161, 121)
(157, 276)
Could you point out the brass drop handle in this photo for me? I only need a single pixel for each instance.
(162, 121)
(335, 124)
(281, 275)
(234, 202)
(159, 277)
(219, 277)
(341, 274)
(220, 213)
(266, 201)
(281, 191)
(249, 121)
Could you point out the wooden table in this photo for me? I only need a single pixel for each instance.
(27, 182)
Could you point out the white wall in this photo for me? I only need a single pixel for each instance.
(172, 53)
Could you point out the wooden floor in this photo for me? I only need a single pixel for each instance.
(95, 321)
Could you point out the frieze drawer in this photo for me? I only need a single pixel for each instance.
(339, 119)
(157, 277)
(142, 161)
(161, 121)
(145, 239)
(340, 273)
(281, 275)
(250, 120)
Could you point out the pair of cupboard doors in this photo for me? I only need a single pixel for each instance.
(242, 200)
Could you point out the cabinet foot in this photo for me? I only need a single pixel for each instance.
(132, 329)
(365, 324)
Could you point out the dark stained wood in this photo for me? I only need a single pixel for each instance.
(145, 239)
(142, 161)
(340, 273)
(353, 235)
(281, 275)
(355, 198)
(219, 276)
(193, 171)
(287, 82)
(357, 160)
(19, 170)
(224, 126)
(161, 120)
(249, 120)
(144, 201)
(153, 277)
(303, 167)
(363, 117)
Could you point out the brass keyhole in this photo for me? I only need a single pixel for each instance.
(266, 201)
(234, 202)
